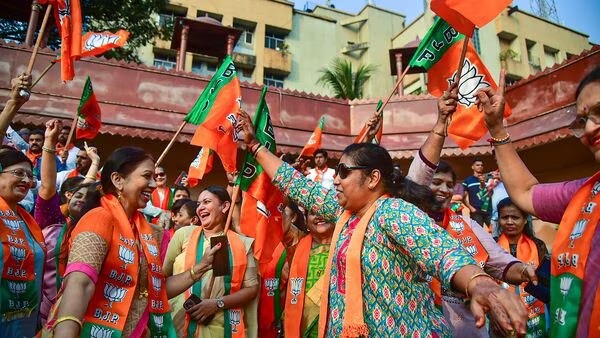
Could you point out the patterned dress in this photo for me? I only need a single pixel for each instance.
(402, 245)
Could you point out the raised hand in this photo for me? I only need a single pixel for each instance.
(92, 153)
(53, 128)
(491, 102)
(22, 82)
(244, 123)
(447, 104)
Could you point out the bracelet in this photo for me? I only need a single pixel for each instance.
(71, 318)
(438, 133)
(252, 147)
(257, 150)
(192, 273)
(481, 274)
(49, 150)
(523, 270)
(498, 142)
(91, 177)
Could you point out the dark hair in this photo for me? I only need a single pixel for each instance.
(591, 77)
(300, 222)
(123, 161)
(322, 152)
(507, 202)
(181, 188)
(289, 158)
(10, 156)
(477, 159)
(190, 206)
(69, 184)
(444, 167)
(374, 156)
(178, 204)
(92, 199)
(220, 192)
(36, 132)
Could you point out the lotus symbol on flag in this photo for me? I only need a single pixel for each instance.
(18, 254)
(17, 288)
(126, 255)
(158, 321)
(152, 249)
(577, 231)
(235, 317)
(457, 226)
(470, 82)
(113, 293)
(156, 283)
(271, 284)
(100, 332)
(296, 289)
(560, 316)
(99, 40)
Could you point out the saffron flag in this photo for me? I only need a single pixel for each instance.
(93, 43)
(215, 112)
(314, 142)
(262, 204)
(89, 117)
(365, 129)
(67, 14)
(464, 15)
(200, 166)
(438, 54)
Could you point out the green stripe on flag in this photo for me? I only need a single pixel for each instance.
(440, 37)
(88, 91)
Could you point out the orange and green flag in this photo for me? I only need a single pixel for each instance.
(464, 15)
(314, 142)
(263, 202)
(362, 135)
(200, 166)
(215, 113)
(89, 117)
(439, 55)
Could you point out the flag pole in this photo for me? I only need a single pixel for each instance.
(234, 196)
(46, 70)
(463, 55)
(378, 111)
(164, 153)
(38, 41)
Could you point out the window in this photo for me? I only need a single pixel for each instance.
(551, 56)
(247, 36)
(476, 42)
(166, 18)
(274, 41)
(165, 62)
(203, 67)
(274, 80)
(215, 16)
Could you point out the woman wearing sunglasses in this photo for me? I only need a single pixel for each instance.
(381, 250)
(23, 250)
(575, 310)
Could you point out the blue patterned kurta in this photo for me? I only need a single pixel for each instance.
(402, 245)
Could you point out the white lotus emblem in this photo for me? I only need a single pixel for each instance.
(12, 225)
(577, 231)
(158, 321)
(470, 82)
(100, 332)
(18, 254)
(156, 283)
(565, 285)
(457, 226)
(271, 284)
(152, 249)
(126, 255)
(235, 317)
(113, 293)
(296, 289)
(17, 288)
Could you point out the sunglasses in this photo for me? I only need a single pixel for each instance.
(343, 170)
(577, 127)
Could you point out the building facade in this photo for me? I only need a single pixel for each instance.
(283, 47)
(516, 40)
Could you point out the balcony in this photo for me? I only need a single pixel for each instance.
(246, 60)
(279, 61)
(352, 47)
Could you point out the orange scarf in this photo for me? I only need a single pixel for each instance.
(20, 295)
(354, 322)
(33, 157)
(458, 228)
(110, 305)
(270, 306)
(294, 305)
(320, 173)
(166, 201)
(569, 259)
(238, 262)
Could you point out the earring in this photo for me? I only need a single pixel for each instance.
(119, 195)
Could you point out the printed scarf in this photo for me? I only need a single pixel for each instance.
(270, 310)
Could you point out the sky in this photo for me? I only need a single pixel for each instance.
(580, 15)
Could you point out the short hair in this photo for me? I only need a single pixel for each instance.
(178, 204)
(181, 188)
(10, 156)
(123, 161)
(190, 206)
(591, 77)
(322, 152)
(36, 132)
(289, 158)
(69, 184)
(477, 159)
(444, 167)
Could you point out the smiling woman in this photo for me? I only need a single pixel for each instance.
(23, 249)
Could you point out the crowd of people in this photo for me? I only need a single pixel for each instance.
(106, 248)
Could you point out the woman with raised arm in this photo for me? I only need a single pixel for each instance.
(575, 282)
(381, 250)
(113, 284)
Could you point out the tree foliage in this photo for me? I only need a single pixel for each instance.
(345, 83)
(139, 17)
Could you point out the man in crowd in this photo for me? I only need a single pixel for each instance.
(321, 172)
(476, 196)
(34, 153)
(83, 163)
(71, 149)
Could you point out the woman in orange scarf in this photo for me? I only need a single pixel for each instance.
(382, 248)
(114, 285)
(575, 280)
(517, 238)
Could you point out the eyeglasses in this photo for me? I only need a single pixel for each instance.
(19, 173)
(160, 175)
(343, 170)
(578, 125)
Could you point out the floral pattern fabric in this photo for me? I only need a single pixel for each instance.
(402, 245)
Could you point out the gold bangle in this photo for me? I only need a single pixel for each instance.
(499, 141)
(71, 318)
(438, 133)
(480, 274)
(91, 177)
(192, 273)
(49, 150)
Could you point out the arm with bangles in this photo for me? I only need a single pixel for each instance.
(15, 101)
(91, 175)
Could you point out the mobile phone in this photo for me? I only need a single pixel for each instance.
(220, 265)
(542, 290)
(191, 301)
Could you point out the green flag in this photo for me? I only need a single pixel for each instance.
(440, 37)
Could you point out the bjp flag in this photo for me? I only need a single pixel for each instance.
(314, 142)
(464, 15)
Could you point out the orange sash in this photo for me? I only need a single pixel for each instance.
(110, 305)
(294, 302)
(458, 228)
(238, 261)
(569, 259)
(166, 200)
(20, 295)
(269, 312)
(319, 174)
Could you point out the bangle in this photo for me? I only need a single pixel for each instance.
(90, 177)
(253, 145)
(498, 142)
(438, 133)
(257, 150)
(192, 273)
(71, 318)
(49, 150)
(523, 271)
(481, 274)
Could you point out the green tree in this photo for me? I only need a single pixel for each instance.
(345, 83)
(139, 17)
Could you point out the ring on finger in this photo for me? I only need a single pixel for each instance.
(448, 102)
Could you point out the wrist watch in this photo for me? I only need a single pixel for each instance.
(220, 303)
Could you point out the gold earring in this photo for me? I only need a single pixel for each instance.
(119, 195)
